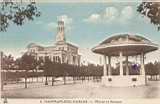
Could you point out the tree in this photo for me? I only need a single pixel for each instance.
(8, 63)
(156, 69)
(152, 11)
(63, 70)
(47, 66)
(37, 64)
(27, 62)
(151, 69)
(17, 12)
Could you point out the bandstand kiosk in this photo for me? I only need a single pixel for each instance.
(123, 46)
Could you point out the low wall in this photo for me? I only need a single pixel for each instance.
(122, 81)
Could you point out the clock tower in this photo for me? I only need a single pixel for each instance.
(60, 32)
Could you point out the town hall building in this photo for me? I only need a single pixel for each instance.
(62, 51)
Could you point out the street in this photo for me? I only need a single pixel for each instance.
(83, 90)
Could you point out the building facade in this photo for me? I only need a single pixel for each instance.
(62, 51)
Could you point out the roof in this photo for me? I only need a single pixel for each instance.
(127, 38)
(33, 45)
(66, 43)
(72, 45)
(129, 44)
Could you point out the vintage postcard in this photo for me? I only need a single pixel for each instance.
(80, 52)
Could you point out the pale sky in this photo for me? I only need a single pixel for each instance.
(87, 24)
